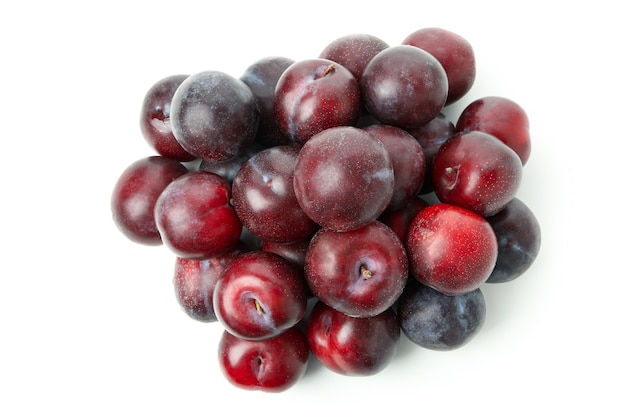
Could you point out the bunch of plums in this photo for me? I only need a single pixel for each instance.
(327, 206)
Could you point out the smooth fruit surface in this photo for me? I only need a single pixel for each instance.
(519, 240)
(355, 346)
(195, 218)
(154, 118)
(214, 116)
(360, 272)
(502, 118)
(259, 296)
(437, 321)
(476, 171)
(455, 54)
(264, 198)
(135, 194)
(343, 178)
(272, 365)
(354, 51)
(313, 95)
(451, 249)
(404, 86)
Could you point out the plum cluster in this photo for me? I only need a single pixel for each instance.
(327, 206)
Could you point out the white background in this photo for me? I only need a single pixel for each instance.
(88, 321)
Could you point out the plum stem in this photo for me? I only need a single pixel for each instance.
(365, 273)
(327, 71)
(259, 310)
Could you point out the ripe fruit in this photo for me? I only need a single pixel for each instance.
(154, 119)
(264, 198)
(195, 218)
(343, 178)
(404, 86)
(259, 296)
(355, 346)
(451, 248)
(476, 171)
(437, 321)
(313, 95)
(455, 54)
(214, 116)
(271, 365)
(501, 117)
(361, 272)
(135, 194)
(354, 51)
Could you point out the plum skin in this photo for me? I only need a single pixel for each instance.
(451, 249)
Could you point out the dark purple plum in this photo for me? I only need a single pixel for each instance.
(214, 116)
(264, 198)
(404, 86)
(228, 168)
(455, 54)
(343, 178)
(135, 194)
(154, 119)
(407, 158)
(354, 51)
(436, 321)
(519, 240)
(262, 77)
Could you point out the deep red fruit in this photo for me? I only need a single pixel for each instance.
(404, 86)
(195, 218)
(454, 53)
(194, 283)
(501, 117)
(451, 249)
(361, 272)
(272, 365)
(407, 158)
(154, 119)
(264, 198)
(351, 345)
(354, 51)
(214, 116)
(343, 178)
(313, 95)
(259, 296)
(135, 194)
(476, 171)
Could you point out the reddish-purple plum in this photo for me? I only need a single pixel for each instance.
(455, 54)
(451, 249)
(154, 119)
(407, 158)
(476, 171)
(264, 198)
(343, 178)
(354, 51)
(313, 95)
(259, 296)
(353, 346)
(135, 194)
(501, 117)
(404, 86)
(361, 272)
(272, 365)
(195, 218)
